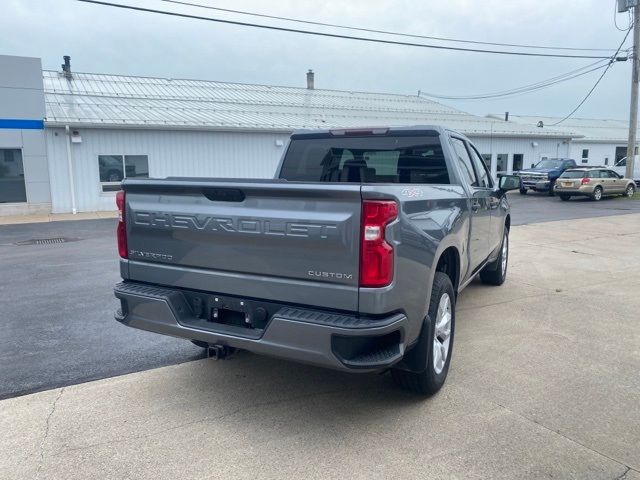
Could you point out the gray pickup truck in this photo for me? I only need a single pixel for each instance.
(351, 258)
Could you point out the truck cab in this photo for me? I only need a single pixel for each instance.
(542, 176)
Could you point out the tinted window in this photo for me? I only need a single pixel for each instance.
(481, 167)
(572, 174)
(368, 159)
(464, 160)
(611, 174)
(594, 174)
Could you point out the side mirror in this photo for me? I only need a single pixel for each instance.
(509, 182)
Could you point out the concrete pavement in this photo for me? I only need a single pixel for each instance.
(544, 383)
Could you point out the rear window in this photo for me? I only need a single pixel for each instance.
(368, 159)
(573, 174)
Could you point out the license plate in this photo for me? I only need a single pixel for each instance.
(567, 184)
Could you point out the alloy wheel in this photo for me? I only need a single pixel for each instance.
(442, 334)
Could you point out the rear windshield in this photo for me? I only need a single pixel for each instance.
(572, 174)
(368, 159)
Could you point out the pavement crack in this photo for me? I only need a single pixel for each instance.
(46, 431)
(566, 437)
(624, 474)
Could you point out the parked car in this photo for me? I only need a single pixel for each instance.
(621, 168)
(593, 182)
(352, 258)
(542, 177)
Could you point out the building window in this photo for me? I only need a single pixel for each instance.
(585, 155)
(502, 162)
(114, 168)
(12, 189)
(518, 158)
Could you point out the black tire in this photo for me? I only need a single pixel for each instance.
(565, 197)
(429, 381)
(630, 191)
(200, 344)
(523, 191)
(495, 273)
(596, 196)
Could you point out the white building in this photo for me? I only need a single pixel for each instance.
(597, 142)
(84, 132)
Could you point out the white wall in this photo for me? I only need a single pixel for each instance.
(171, 153)
(532, 149)
(598, 152)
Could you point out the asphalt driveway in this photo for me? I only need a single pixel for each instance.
(56, 311)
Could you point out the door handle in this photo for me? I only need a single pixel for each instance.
(475, 205)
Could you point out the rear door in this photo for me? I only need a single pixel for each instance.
(617, 184)
(480, 205)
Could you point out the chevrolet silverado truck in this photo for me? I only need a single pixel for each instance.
(542, 177)
(352, 258)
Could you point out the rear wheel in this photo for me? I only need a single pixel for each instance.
(495, 273)
(597, 194)
(523, 191)
(565, 197)
(630, 190)
(436, 340)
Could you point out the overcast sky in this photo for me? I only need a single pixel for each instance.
(108, 40)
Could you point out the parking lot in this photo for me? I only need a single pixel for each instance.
(544, 382)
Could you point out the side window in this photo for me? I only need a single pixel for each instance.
(464, 161)
(611, 174)
(481, 168)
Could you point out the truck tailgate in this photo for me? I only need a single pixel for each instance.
(248, 238)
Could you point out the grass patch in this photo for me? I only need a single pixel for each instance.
(636, 196)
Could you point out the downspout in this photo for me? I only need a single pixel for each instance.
(72, 183)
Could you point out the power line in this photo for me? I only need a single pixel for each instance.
(595, 84)
(525, 88)
(385, 32)
(335, 35)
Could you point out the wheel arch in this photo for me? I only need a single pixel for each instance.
(449, 263)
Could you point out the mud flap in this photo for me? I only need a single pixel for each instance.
(415, 359)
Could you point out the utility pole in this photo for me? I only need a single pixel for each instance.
(635, 71)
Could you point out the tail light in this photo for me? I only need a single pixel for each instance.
(585, 181)
(122, 227)
(376, 254)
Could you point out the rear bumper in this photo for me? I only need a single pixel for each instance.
(585, 191)
(337, 341)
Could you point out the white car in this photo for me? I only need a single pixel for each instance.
(621, 168)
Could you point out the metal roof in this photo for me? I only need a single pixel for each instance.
(590, 129)
(89, 99)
